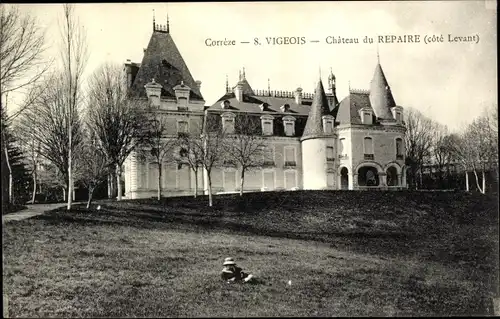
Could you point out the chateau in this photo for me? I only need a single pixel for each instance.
(313, 141)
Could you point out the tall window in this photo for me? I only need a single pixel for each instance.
(290, 156)
(399, 148)
(329, 153)
(368, 147)
(398, 117)
(342, 150)
(182, 127)
(268, 155)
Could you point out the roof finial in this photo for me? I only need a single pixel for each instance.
(319, 72)
(243, 73)
(227, 84)
(349, 86)
(239, 76)
(378, 55)
(154, 23)
(168, 24)
(268, 84)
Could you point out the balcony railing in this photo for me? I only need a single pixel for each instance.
(290, 164)
(400, 157)
(268, 163)
(369, 157)
(330, 159)
(343, 156)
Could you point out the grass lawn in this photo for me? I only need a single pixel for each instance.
(346, 254)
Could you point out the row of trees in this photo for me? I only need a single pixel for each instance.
(472, 151)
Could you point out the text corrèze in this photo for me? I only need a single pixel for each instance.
(385, 39)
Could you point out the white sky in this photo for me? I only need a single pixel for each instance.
(450, 82)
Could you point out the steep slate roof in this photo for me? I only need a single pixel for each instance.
(348, 112)
(381, 98)
(252, 104)
(319, 108)
(214, 117)
(163, 62)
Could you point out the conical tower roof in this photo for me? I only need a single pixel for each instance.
(163, 62)
(319, 108)
(381, 98)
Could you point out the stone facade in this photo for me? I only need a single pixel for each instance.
(313, 140)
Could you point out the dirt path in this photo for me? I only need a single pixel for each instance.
(30, 211)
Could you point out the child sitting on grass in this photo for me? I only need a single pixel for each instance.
(233, 273)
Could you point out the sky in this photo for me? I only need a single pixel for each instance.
(450, 82)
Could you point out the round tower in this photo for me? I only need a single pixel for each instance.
(318, 144)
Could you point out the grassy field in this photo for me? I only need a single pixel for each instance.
(346, 254)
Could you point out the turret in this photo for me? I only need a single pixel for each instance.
(317, 138)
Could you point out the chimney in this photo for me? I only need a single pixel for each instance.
(153, 91)
(238, 92)
(298, 96)
(198, 85)
(128, 71)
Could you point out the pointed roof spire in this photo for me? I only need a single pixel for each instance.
(168, 24)
(319, 108)
(378, 55)
(154, 22)
(381, 98)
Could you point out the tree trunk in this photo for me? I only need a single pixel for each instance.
(70, 172)
(118, 182)
(484, 182)
(110, 190)
(210, 200)
(91, 191)
(11, 197)
(242, 181)
(195, 183)
(34, 188)
(159, 181)
(466, 181)
(477, 181)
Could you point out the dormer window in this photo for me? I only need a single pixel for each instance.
(366, 115)
(264, 107)
(285, 108)
(225, 104)
(267, 124)
(328, 124)
(397, 113)
(228, 122)
(289, 125)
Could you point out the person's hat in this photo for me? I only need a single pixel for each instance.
(229, 261)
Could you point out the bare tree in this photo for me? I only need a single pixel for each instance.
(31, 148)
(116, 120)
(440, 151)
(22, 44)
(210, 147)
(48, 124)
(191, 153)
(74, 53)
(246, 146)
(418, 140)
(159, 146)
(94, 165)
(481, 137)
